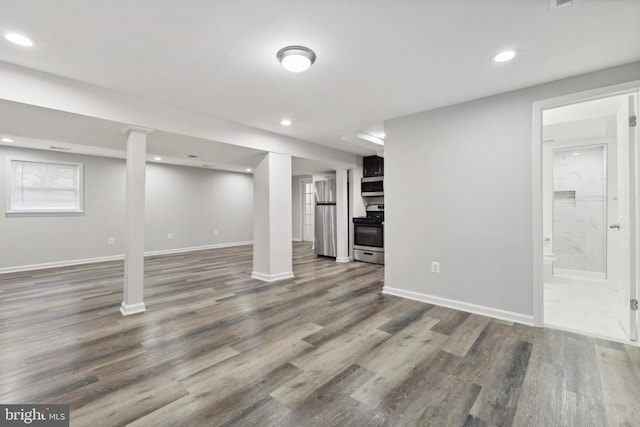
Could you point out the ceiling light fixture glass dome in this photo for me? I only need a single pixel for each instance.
(296, 58)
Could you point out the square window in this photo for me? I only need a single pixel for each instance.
(44, 187)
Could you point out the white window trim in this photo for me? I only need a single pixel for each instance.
(41, 212)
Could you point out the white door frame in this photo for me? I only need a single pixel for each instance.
(536, 171)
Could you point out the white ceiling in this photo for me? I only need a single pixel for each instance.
(41, 128)
(377, 59)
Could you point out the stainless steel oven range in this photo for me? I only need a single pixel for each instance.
(368, 235)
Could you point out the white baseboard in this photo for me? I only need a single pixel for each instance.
(343, 259)
(70, 263)
(297, 239)
(196, 248)
(460, 305)
(129, 309)
(272, 277)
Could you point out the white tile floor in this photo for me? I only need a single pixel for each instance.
(584, 306)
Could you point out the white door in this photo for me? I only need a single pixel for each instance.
(623, 225)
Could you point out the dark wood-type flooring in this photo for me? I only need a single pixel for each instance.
(324, 349)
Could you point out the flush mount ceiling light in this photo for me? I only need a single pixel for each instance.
(296, 58)
(371, 138)
(6, 140)
(157, 158)
(248, 169)
(19, 39)
(285, 122)
(360, 137)
(505, 55)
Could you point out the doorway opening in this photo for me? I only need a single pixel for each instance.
(587, 240)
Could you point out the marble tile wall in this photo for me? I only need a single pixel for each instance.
(579, 209)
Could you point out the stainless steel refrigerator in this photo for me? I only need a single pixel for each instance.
(325, 218)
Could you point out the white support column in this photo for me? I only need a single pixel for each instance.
(342, 217)
(272, 246)
(134, 221)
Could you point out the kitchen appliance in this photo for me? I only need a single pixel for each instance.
(368, 235)
(325, 218)
(372, 166)
(373, 186)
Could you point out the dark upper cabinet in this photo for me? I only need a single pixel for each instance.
(373, 166)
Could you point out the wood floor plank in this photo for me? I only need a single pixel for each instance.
(621, 389)
(218, 408)
(396, 360)
(410, 312)
(455, 405)
(232, 373)
(325, 348)
(484, 358)
(330, 404)
(322, 364)
(634, 359)
(266, 411)
(461, 340)
(351, 314)
(449, 319)
(498, 399)
(542, 397)
(141, 398)
(581, 410)
(581, 367)
(408, 402)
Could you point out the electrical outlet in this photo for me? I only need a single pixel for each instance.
(215, 232)
(435, 266)
(170, 236)
(111, 241)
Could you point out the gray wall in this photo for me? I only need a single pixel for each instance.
(187, 202)
(193, 203)
(458, 190)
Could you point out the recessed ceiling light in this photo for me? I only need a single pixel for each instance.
(296, 58)
(6, 140)
(285, 122)
(19, 39)
(576, 154)
(157, 158)
(248, 169)
(505, 55)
